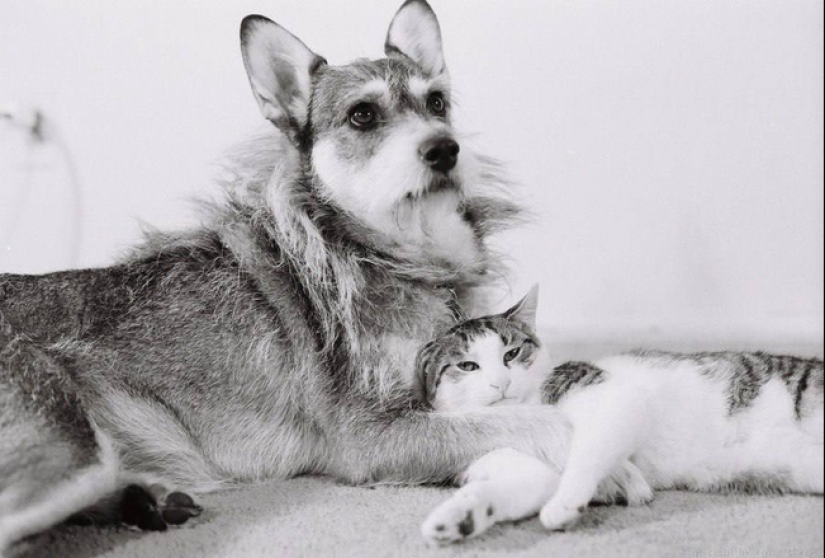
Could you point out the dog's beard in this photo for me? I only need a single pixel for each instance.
(416, 211)
(439, 183)
(418, 215)
(430, 225)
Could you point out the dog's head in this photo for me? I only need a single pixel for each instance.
(375, 134)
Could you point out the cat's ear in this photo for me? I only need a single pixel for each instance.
(414, 33)
(426, 372)
(525, 310)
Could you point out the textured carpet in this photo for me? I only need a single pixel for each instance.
(320, 517)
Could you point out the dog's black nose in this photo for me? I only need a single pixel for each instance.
(440, 154)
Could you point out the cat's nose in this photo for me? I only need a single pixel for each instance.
(501, 386)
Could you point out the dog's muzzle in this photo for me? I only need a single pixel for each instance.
(440, 154)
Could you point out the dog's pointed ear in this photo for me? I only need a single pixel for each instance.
(280, 69)
(414, 33)
(525, 310)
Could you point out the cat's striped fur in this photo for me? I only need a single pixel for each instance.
(744, 374)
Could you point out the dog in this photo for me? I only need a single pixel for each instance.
(279, 337)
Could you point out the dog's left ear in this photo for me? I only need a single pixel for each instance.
(525, 310)
(280, 69)
(414, 33)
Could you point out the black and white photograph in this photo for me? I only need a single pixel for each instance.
(401, 278)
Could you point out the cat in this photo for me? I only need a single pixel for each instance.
(702, 421)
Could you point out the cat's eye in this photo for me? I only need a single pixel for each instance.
(467, 366)
(436, 104)
(363, 115)
(511, 354)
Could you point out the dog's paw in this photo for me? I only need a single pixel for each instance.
(558, 517)
(178, 507)
(154, 508)
(464, 515)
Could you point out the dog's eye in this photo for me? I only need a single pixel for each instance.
(363, 115)
(436, 104)
(511, 354)
(467, 366)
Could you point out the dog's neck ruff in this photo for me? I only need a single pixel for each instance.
(333, 254)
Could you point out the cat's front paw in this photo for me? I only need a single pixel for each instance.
(465, 515)
(560, 517)
(625, 486)
(638, 492)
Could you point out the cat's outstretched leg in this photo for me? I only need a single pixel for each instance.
(503, 485)
(601, 444)
(507, 485)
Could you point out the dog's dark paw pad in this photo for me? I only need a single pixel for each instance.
(180, 499)
(176, 516)
(139, 508)
(149, 509)
(178, 508)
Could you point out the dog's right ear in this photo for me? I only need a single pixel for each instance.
(415, 34)
(280, 69)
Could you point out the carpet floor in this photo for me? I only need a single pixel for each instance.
(308, 517)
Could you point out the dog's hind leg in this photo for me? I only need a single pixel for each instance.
(53, 461)
(149, 507)
(53, 490)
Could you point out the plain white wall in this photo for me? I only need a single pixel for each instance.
(672, 151)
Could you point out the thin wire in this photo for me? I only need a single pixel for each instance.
(41, 133)
(21, 197)
(76, 190)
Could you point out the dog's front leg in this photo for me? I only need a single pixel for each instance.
(421, 447)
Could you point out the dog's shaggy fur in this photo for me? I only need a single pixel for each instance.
(280, 337)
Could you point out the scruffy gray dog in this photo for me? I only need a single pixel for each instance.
(280, 337)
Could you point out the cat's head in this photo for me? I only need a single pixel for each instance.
(484, 361)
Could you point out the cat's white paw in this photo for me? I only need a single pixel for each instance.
(638, 492)
(467, 514)
(625, 486)
(559, 517)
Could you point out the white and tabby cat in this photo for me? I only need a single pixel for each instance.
(704, 421)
